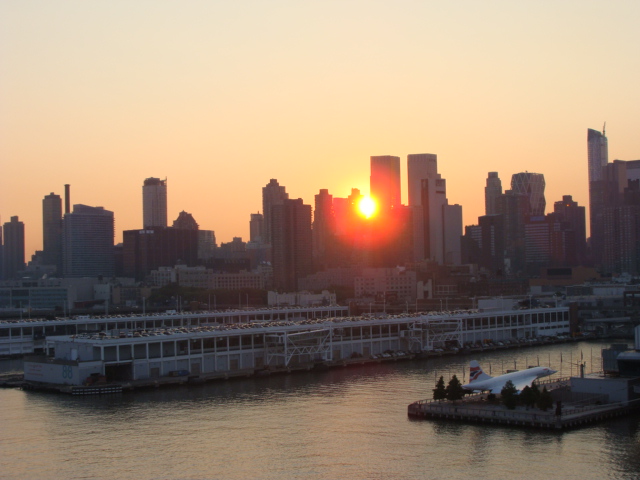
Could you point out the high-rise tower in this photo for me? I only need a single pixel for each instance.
(291, 243)
(272, 194)
(87, 242)
(154, 203)
(385, 181)
(598, 157)
(52, 231)
(419, 167)
(13, 249)
(532, 185)
(492, 191)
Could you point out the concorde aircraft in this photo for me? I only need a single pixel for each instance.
(480, 381)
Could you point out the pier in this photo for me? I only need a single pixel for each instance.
(478, 409)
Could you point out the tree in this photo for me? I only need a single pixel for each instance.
(545, 402)
(440, 392)
(454, 389)
(528, 397)
(509, 395)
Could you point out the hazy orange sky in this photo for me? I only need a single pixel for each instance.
(219, 97)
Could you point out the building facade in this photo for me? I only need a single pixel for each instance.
(87, 242)
(13, 248)
(52, 231)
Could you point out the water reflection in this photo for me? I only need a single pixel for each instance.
(342, 423)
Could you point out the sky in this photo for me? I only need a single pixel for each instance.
(219, 97)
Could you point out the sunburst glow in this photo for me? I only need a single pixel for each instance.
(367, 207)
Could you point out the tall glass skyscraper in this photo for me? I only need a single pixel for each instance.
(598, 157)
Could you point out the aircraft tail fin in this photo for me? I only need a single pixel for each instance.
(476, 373)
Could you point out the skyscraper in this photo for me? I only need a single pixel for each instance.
(87, 242)
(324, 227)
(256, 228)
(419, 167)
(52, 231)
(291, 243)
(532, 185)
(385, 181)
(154, 203)
(573, 218)
(597, 157)
(492, 191)
(272, 194)
(13, 250)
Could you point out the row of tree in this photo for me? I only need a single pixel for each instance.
(529, 396)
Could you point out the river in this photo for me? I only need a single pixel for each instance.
(346, 423)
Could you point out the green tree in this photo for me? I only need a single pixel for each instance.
(509, 394)
(454, 389)
(545, 402)
(440, 392)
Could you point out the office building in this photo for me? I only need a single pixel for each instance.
(452, 229)
(419, 167)
(532, 185)
(573, 218)
(492, 192)
(598, 157)
(154, 203)
(87, 242)
(272, 194)
(385, 181)
(291, 243)
(13, 249)
(151, 248)
(324, 228)
(256, 228)
(52, 231)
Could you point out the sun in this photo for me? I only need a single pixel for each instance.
(367, 207)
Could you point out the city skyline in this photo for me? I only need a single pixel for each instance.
(219, 99)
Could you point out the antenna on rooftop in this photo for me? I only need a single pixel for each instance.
(604, 127)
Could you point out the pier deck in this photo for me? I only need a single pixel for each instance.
(477, 409)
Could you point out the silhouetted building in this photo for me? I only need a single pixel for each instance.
(292, 250)
(272, 194)
(256, 228)
(492, 248)
(492, 192)
(532, 185)
(385, 181)
(573, 218)
(598, 157)
(154, 203)
(452, 226)
(514, 208)
(206, 244)
(87, 242)
(52, 231)
(420, 166)
(185, 221)
(13, 250)
(149, 249)
(324, 229)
